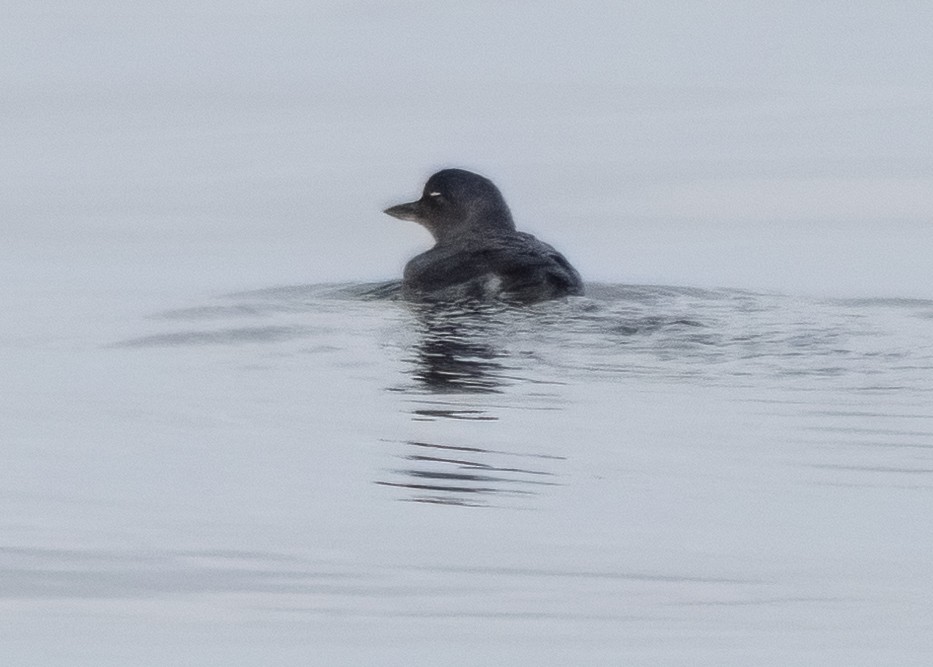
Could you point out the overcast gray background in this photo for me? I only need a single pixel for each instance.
(784, 146)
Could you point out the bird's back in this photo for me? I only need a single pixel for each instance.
(514, 266)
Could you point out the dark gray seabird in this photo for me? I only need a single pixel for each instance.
(478, 253)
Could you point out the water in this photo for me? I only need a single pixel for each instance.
(329, 475)
(200, 466)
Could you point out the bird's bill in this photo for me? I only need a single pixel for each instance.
(410, 211)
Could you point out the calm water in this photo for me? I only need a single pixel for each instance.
(191, 473)
(327, 475)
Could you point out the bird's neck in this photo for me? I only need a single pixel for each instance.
(476, 223)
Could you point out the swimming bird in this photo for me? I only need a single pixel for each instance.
(478, 254)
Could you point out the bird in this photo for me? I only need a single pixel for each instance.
(478, 253)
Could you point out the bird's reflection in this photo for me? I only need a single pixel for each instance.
(469, 476)
(459, 371)
(456, 352)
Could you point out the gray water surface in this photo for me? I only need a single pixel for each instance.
(199, 466)
(324, 474)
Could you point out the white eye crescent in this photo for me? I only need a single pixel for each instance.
(434, 194)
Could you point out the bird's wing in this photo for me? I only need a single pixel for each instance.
(518, 265)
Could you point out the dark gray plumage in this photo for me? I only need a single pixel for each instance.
(478, 253)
